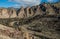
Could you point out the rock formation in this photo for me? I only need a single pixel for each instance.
(50, 10)
(39, 11)
(42, 9)
(4, 13)
(21, 13)
(40, 22)
(29, 12)
(12, 13)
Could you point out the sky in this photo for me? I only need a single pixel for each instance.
(19, 3)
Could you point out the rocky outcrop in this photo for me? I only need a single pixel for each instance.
(39, 11)
(12, 13)
(50, 10)
(21, 13)
(29, 12)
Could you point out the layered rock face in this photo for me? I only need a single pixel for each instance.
(43, 9)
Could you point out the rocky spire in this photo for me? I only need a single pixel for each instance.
(29, 12)
(50, 10)
(4, 13)
(38, 11)
(21, 13)
(32, 13)
(12, 13)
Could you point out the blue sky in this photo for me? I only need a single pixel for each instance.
(19, 3)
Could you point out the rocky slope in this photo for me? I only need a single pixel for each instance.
(36, 22)
(42, 9)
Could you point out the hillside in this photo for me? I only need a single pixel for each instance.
(36, 22)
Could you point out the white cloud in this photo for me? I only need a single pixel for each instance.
(26, 2)
(16, 5)
(50, 0)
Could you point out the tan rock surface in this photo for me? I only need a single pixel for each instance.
(50, 10)
(9, 33)
(12, 13)
(39, 11)
(29, 12)
(4, 13)
(21, 13)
